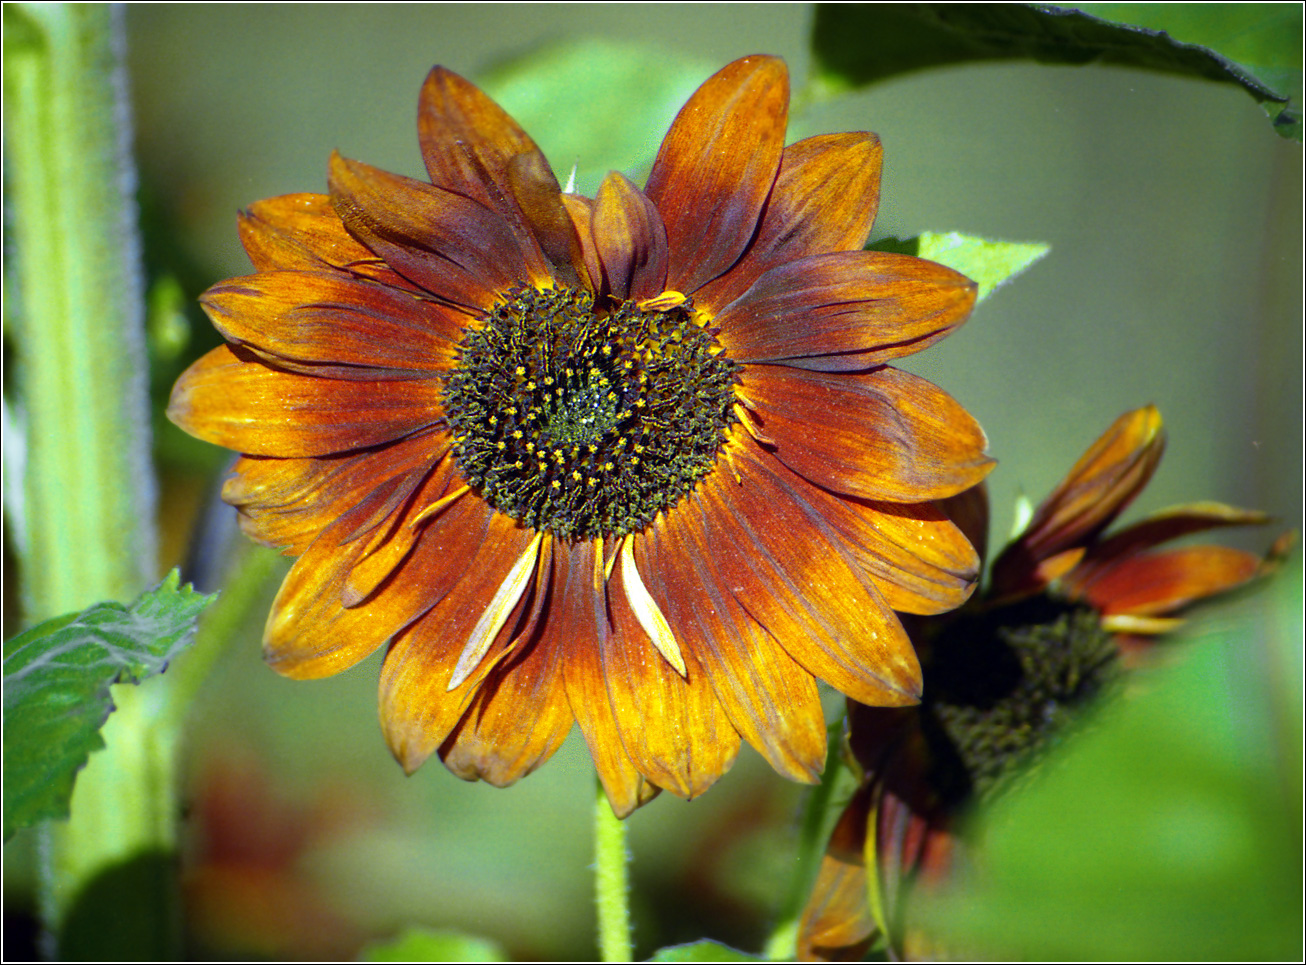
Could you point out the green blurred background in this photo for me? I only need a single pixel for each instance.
(1174, 218)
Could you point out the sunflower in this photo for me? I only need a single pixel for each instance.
(1067, 610)
(636, 461)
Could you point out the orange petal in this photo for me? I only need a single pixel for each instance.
(418, 709)
(579, 601)
(882, 435)
(772, 702)
(389, 546)
(837, 917)
(790, 574)
(310, 633)
(520, 715)
(1102, 483)
(297, 232)
(286, 503)
(824, 199)
(1153, 584)
(1168, 525)
(917, 558)
(631, 240)
(846, 311)
(673, 728)
(343, 327)
(716, 167)
(450, 245)
(232, 399)
(581, 212)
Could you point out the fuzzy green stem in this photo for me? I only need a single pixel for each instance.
(812, 836)
(84, 526)
(611, 882)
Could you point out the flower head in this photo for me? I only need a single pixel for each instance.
(1066, 611)
(636, 461)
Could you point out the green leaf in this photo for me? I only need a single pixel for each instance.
(1254, 46)
(1169, 830)
(433, 945)
(595, 103)
(56, 683)
(989, 263)
(704, 950)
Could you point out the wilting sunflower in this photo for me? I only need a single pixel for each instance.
(636, 461)
(1067, 610)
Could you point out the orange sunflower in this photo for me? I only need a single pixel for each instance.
(1066, 610)
(635, 461)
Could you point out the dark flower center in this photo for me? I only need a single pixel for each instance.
(1003, 684)
(587, 423)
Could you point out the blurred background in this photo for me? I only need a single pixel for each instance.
(1174, 218)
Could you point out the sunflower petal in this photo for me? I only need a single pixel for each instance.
(450, 245)
(883, 435)
(311, 633)
(1155, 584)
(671, 723)
(496, 614)
(784, 567)
(631, 240)
(772, 702)
(716, 167)
(286, 503)
(837, 916)
(825, 198)
(418, 708)
(232, 399)
(646, 610)
(362, 330)
(520, 715)
(297, 232)
(580, 606)
(845, 311)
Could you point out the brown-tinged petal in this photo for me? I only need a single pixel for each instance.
(672, 727)
(825, 198)
(969, 509)
(418, 709)
(1153, 584)
(297, 232)
(302, 232)
(450, 245)
(883, 435)
(343, 327)
(631, 240)
(579, 602)
(917, 558)
(473, 147)
(520, 715)
(716, 167)
(845, 311)
(789, 572)
(310, 632)
(1100, 485)
(232, 399)
(539, 199)
(837, 923)
(772, 702)
(1168, 525)
(285, 503)
(388, 546)
(581, 212)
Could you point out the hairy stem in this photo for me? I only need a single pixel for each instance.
(611, 882)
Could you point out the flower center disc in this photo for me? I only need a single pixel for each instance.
(582, 423)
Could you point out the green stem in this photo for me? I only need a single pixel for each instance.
(85, 527)
(812, 837)
(611, 882)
